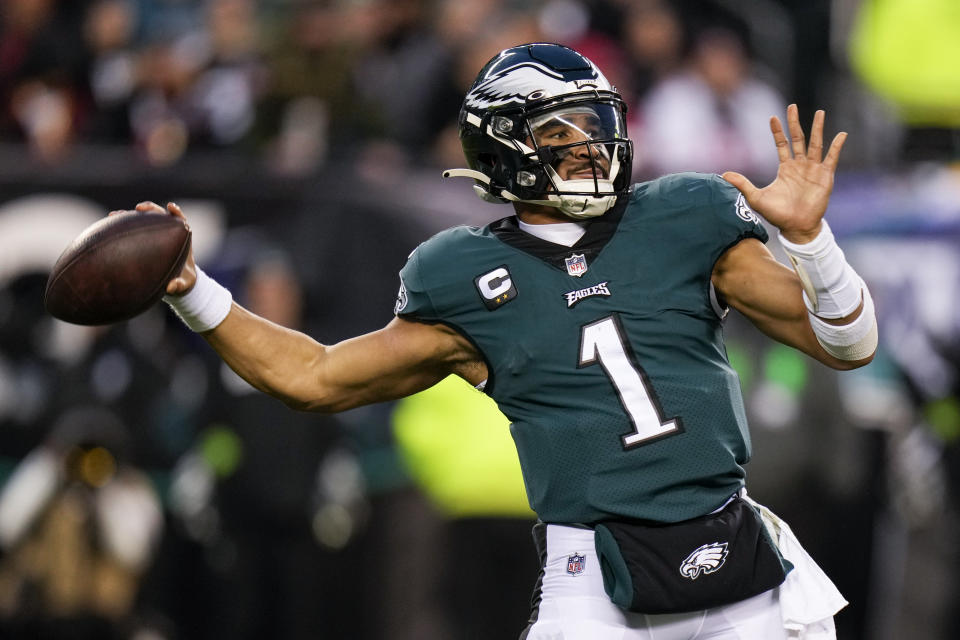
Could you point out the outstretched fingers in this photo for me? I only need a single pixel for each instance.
(815, 149)
(783, 147)
(833, 153)
(796, 147)
(797, 140)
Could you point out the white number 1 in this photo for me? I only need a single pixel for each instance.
(602, 342)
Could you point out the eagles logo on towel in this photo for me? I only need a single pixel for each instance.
(706, 559)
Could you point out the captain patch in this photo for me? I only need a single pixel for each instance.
(496, 287)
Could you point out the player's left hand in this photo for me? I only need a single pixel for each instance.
(797, 198)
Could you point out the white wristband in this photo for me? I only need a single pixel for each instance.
(831, 288)
(854, 341)
(204, 306)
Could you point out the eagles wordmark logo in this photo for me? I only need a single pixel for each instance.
(573, 297)
(705, 559)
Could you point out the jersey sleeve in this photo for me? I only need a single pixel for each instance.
(430, 288)
(699, 216)
(705, 215)
(413, 299)
(733, 218)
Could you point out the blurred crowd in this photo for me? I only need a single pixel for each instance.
(147, 492)
(289, 80)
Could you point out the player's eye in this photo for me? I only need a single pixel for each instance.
(553, 135)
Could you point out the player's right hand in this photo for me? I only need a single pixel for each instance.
(187, 277)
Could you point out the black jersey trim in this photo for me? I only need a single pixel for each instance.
(599, 232)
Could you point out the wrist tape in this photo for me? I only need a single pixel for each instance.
(204, 306)
(853, 341)
(831, 288)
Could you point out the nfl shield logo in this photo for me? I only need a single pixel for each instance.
(576, 264)
(575, 564)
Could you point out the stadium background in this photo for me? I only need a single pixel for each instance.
(305, 141)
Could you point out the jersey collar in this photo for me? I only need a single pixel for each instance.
(599, 232)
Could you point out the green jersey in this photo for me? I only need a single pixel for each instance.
(607, 356)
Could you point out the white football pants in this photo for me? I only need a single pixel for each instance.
(574, 605)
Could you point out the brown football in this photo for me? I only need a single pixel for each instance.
(117, 268)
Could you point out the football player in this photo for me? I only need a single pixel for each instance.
(593, 316)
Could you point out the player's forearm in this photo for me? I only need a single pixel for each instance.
(402, 358)
(274, 359)
(789, 324)
(840, 309)
(306, 375)
(771, 296)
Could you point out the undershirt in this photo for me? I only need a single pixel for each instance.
(563, 233)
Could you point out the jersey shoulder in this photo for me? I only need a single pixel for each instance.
(431, 280)
(698, 204)
(447, 253)
(450, 242)
(685, 189)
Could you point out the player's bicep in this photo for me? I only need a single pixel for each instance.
(402, 358)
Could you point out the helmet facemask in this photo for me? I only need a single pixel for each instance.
(584, 140)
(580, 136)
(522, 98)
